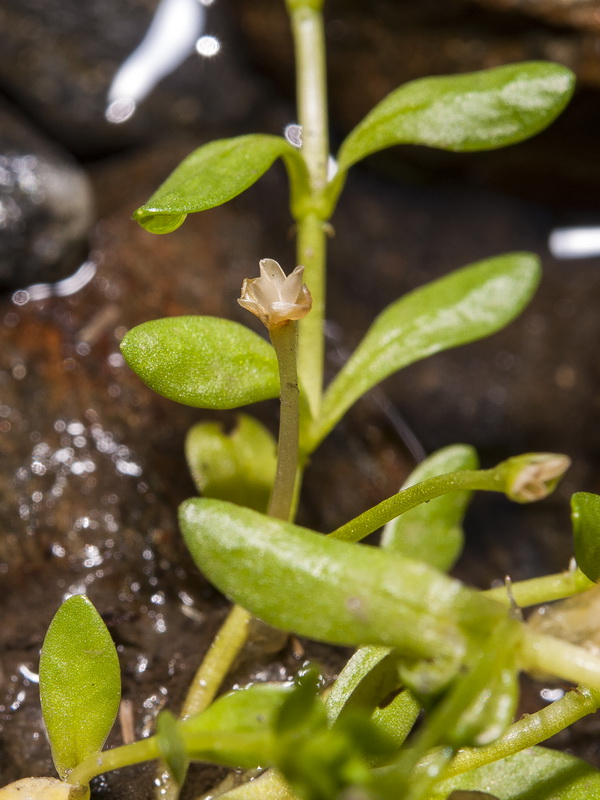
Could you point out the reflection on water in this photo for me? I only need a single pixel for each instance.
(172, 36)
(575, 242)
(64, 288)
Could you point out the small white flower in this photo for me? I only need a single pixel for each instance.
(274, 297)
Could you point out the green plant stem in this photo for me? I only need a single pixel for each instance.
(125, 756)
(379, 515)
(284, 341)
(548, 655)
(309, 44)
(216, 663)
(542, 590)
(532, 729)
(311, 252)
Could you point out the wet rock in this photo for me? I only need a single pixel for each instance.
(46, 207)
(60, 57)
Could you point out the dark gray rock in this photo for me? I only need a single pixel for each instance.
(46, 207)
(59, 58)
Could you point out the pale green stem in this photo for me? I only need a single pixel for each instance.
(379, 515)
(309, 44)
(216, 663)
(125, 756)
(541, 590)
(548, 655)
(532, 729)
(311, 252)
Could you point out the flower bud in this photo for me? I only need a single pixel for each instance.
(274, 297)
(534, 476)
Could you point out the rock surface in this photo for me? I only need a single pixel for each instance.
(60, 57)
(46, 207)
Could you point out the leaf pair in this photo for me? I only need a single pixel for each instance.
(213, 363)
(477, 111)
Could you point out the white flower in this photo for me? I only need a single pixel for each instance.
(274, 297)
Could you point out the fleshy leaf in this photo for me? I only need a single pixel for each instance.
(205, 362)
(585, 513)
(369, 680)
(80, 683)
(237, 466)
(476, 111)
(533, 774)
(432, 532)
(466, 305)
(209, 177)
(328, 589)
(237, 730)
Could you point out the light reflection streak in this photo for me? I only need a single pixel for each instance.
(68, 286)
(170, 39)
(575, 242)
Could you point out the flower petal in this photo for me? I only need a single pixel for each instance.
(272, 272)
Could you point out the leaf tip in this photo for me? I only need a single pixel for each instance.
(156, 222)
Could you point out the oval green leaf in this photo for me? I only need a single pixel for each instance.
(80, 683)
(466, 305)
(238, 466)
(432, 532)
(476, 111)
(209, 177)
(237, 730)
(533, 774)
(329, 590)
(585, 513)
(205, 362)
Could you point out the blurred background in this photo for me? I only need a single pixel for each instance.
(99, 101)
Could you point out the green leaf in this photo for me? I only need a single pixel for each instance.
(466, 305)
(172, 745)
(205, 362)
(370, 681)
(237, 730)
(327, 589)
(432, 532)
(476, 111)
(533, 774)
(80, 684)
(238, 466)
(210, 176)
(585, 513)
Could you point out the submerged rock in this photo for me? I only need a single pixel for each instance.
(61, 56)
(46, 207)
